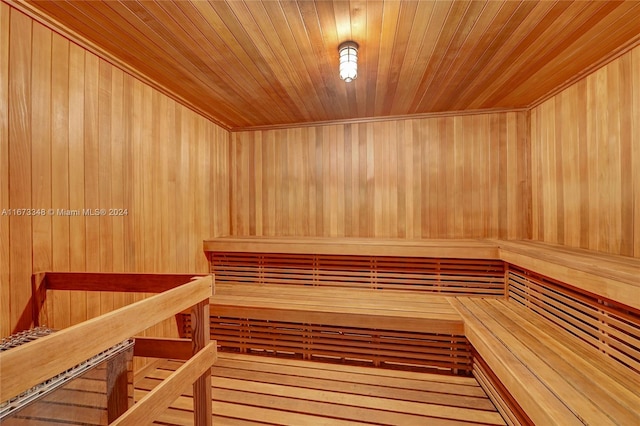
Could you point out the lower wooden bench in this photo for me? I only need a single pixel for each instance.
(357, 326)
(554, 377)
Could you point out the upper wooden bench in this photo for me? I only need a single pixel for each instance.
(445, 267)
(610, 276)
(564, 348)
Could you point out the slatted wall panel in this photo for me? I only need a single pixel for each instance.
(357, 346)
(607, 325)
(432, 275)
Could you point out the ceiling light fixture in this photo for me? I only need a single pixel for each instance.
(348, 61)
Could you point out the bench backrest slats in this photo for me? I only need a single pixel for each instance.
(482, 277)
(423, 351)
(607, 325)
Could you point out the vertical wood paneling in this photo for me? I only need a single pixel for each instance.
(60, 249)
(77, 234)
(41, 144)
(447, 177)
(118, 181)
(585, 162)
(5, 288)
(105, 175)
(635, 148)
(20, 237)
(78, 133)
(91, 174)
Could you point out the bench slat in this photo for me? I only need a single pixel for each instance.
(284, 292)
(345, 317)
(474, 249)
(437, 383)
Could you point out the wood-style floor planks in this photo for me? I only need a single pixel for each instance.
(252, 389)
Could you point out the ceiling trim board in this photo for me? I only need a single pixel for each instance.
(380, 119)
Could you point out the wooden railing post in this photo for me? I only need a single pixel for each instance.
(200, 336)
(39, 291)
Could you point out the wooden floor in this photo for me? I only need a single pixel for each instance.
(259, 390)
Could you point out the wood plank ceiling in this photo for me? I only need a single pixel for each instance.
(261, 63)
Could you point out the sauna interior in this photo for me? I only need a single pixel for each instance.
(201, 222)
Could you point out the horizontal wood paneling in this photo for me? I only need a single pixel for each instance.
(83, 134)
(448, 177)
(586, 162)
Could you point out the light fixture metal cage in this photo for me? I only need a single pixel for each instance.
(348, 53)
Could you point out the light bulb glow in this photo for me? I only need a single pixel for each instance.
(348, 61)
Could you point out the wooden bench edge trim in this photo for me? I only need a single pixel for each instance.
(511, 411)
(357, 320)
(461, 249)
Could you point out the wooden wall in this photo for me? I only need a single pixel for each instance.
(446, 177)
(585, 148)
(79, 133)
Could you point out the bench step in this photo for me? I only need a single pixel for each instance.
(340, 307)
(365, 327)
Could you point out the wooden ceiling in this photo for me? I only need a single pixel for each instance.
(263, 63)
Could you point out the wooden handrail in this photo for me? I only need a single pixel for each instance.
(125, 282)
(27, 365)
